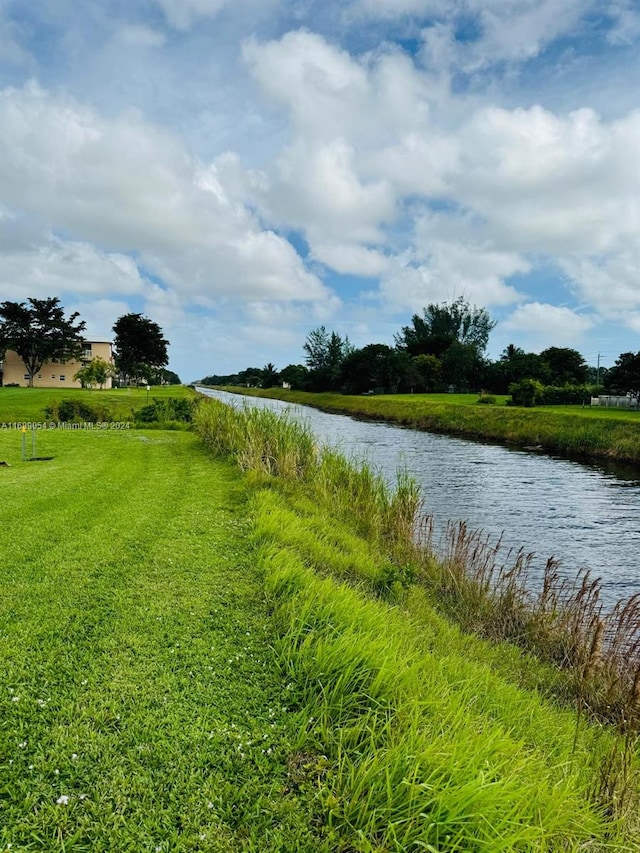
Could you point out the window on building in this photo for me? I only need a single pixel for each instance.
(26, 376)
(53, 376)
(39, 376)
(62, 377)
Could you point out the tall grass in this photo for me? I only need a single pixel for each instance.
(276, 445)
(429, 749)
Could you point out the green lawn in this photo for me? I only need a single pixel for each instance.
(28, 404)
(140, 705)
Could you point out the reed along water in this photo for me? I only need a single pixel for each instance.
(586, 516)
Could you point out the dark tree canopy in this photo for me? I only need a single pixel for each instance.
(624, 376)
(376, 366)
(443, 324)
(140, 347)
(566, 366)
(270, 376)
(39, 332)
(325, 353)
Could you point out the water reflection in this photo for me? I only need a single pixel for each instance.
(585, 515)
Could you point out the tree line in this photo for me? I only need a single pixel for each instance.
(442, 349)
(39, 332)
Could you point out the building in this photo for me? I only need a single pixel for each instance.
(55, 374)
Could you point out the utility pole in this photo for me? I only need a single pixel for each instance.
(598, 371)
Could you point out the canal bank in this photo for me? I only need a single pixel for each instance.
(579, 433)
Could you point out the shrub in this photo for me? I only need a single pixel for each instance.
(77, 411)
(526, 392)
(486, 399)
(165, 410)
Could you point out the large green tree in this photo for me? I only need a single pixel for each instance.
(443, 324)
(39, 332)
(325, 352)
(140, 347)
(375, 366)
(624, 376)
(566, 365)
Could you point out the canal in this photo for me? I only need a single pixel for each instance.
(586, 516)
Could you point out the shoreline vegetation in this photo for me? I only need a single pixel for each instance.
(405, 702)
(586, 434)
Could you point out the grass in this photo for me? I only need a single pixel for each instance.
(431, 743)
(19, 405)
(585, 433)
(140, 706)
(377, 667)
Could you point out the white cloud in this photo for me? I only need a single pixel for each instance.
(610, 284)
(541, 325)
(127, 185)
(61, 266)
(351, 258)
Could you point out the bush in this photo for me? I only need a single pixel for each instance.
(77, 411)
(486, 399)
(526, 393)
(168, 409)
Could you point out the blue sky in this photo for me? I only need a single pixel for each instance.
(243, 171)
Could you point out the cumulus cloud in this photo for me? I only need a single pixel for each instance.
(126, 185)
(513, 184)
(58, 266)
(542, 325)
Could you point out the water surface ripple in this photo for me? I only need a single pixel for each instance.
(586, 516)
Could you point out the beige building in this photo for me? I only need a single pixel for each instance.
(55, 374)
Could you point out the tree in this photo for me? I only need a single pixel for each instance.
(39, 332)
(624, 376)
(443, 324)
(566, 365)
(250, 377)
(374, 366)
(515, 364)
(270, 376)
(140, 348)
(297, 375)
(95, 373)
(426, 373)
(325, 354)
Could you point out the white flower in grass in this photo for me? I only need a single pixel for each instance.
(210, 805)
(22, 744)
(15, 698)
(63, 800)
(74, 756)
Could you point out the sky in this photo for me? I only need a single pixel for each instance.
(244, 171)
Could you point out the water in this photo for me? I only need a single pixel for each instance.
(585, 515)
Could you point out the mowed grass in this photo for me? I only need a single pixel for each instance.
(20, 405)
(140, 703)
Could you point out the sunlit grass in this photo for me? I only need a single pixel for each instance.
(140, 704)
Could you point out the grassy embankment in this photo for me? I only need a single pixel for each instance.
(571, 430)
(436, 740)
(140, 705)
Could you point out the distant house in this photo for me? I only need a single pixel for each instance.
(55, 374)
